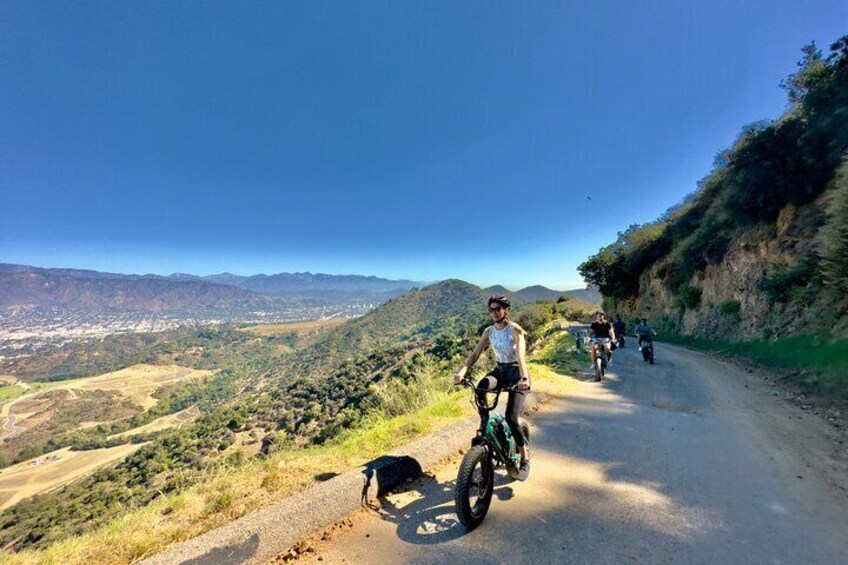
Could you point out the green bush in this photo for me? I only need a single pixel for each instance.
(799, 282)
(730, 307)
(688, 297)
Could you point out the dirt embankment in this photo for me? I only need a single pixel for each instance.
(733, 302)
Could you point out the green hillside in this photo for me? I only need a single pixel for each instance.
(768, 185)
(259, 395)
(755, 262)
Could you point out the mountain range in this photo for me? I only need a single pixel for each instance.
(27, 287)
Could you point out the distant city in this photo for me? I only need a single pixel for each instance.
(26, 332)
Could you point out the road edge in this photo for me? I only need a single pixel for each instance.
(262, 535)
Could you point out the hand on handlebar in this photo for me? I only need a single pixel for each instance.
(522, 386)
(459, 377)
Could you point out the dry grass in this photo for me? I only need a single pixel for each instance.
(52, 470)
(175, 420)
(138, 382)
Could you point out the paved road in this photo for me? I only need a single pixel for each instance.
(688, 461)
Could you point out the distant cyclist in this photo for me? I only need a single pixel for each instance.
(507, 341)
(603, 331)
(644, 331)
(620, 329)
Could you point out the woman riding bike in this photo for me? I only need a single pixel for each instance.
(507, 341)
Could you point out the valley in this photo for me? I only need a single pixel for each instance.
(153, 413)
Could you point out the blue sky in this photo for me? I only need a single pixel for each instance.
(421, 140)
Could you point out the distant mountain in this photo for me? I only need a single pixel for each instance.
(27, 286)
(538, 293)
(281, 283)
(589, 294)
(529, 294)
(6, 268)
(42, 289)
(498, 290)
(293, 283)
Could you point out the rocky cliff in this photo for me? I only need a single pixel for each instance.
(763, 287)
(760, 250)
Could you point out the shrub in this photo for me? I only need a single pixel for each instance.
(730, 307)
(688, 297)
(788, 283)
(221, 502)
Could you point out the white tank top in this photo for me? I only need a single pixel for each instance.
(503, 345)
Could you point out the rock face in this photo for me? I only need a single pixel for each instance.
(733, 305)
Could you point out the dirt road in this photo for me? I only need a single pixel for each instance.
(691, 460)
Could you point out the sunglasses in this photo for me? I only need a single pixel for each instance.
(495, 308)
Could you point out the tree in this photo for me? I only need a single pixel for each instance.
(812, 68)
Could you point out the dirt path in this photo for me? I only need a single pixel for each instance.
(692, 460)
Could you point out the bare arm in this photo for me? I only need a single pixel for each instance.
(520, 351)
(475, 355)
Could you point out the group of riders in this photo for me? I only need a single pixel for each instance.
(609, 334)
(507, 341)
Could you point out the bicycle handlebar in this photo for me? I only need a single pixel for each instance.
(467, 382)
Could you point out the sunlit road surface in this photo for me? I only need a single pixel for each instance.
(687, 461)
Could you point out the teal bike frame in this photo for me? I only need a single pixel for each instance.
(497, 436)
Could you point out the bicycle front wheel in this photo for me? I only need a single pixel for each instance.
(475, 484)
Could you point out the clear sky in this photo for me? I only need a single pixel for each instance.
(422, 140)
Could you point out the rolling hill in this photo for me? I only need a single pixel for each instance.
(540, 293)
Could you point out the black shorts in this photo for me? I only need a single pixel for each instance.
(507, 374)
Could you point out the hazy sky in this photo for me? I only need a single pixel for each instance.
(422, 140)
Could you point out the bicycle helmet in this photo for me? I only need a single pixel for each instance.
(500, 300)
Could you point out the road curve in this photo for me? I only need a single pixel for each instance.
(691, 460)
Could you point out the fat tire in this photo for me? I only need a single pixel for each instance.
(466, 515)
(599, 369)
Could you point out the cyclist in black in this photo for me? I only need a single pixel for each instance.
(601, 329)
(507, 341)
(620, 329)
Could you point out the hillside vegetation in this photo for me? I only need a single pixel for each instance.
(758, 187)
(405, 409)
(759, 251)
(260, 399)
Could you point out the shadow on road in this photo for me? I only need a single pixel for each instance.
(430, 518)
(228, 554)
